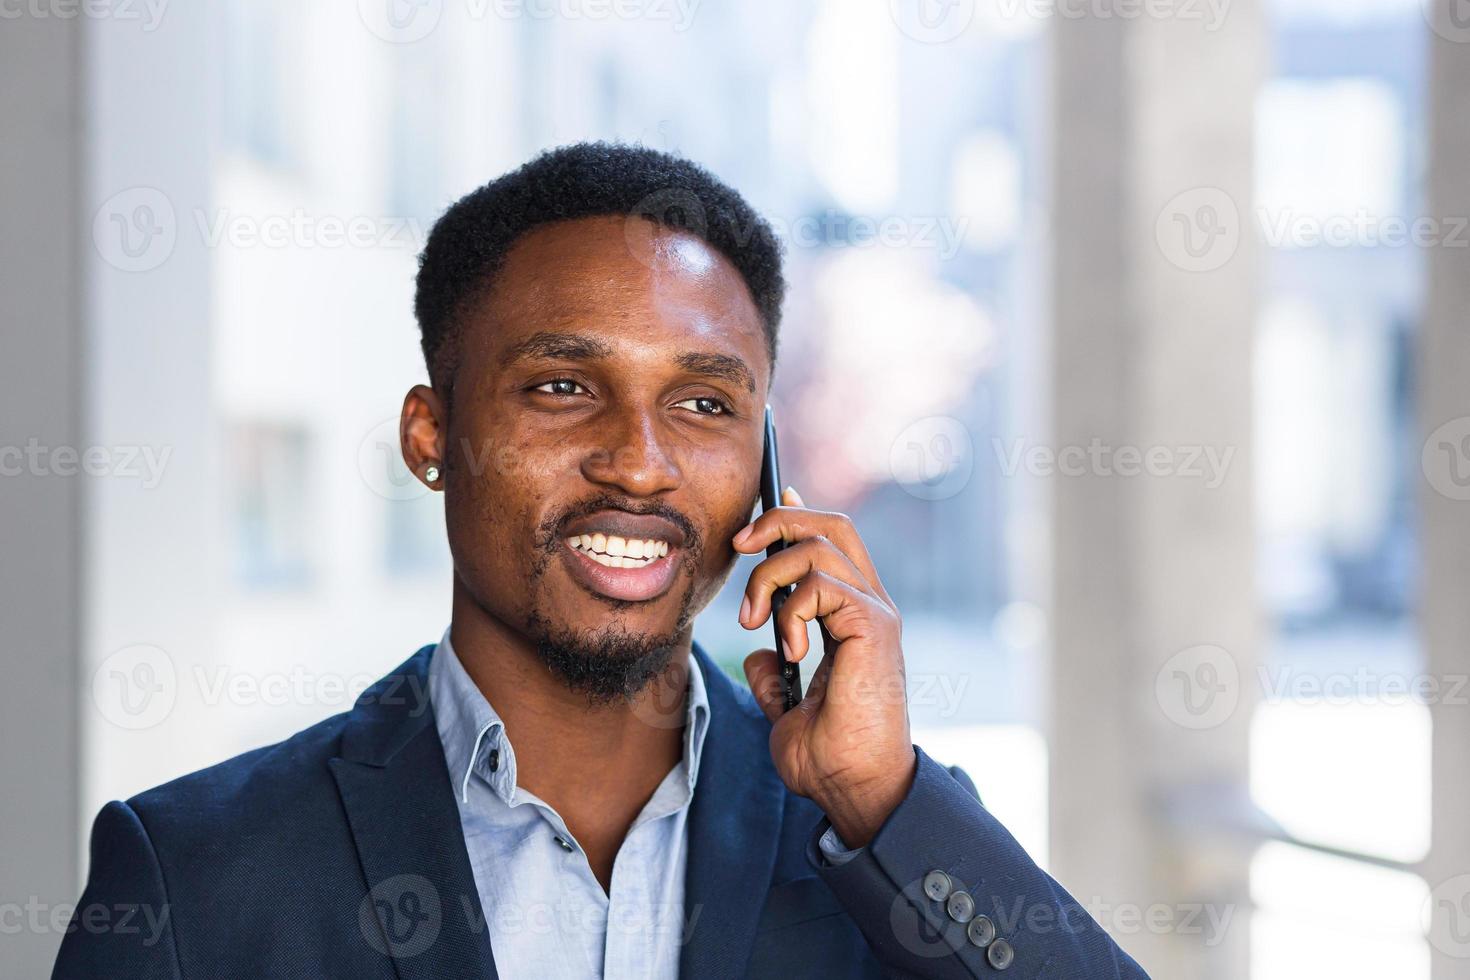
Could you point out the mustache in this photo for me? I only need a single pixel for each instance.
(549, 531)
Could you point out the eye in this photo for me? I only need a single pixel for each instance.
(704, 405)
(561, 386)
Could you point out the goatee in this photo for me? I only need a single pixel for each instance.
(606, 665)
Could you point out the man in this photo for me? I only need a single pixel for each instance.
(566, 785)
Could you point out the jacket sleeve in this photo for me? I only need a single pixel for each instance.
(122, 925)
(944, 891)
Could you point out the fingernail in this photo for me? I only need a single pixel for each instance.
(796, 496)
(744, 609)
(785, 651)
(743, 533)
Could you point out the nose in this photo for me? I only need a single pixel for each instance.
(633, 460)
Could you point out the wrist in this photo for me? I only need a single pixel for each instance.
(857, 810)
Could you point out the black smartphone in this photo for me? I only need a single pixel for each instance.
(771, 497)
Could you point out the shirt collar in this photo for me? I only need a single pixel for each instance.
(473, 734)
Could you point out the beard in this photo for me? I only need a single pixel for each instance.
(606, 664)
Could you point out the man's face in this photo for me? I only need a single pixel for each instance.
(604, 442)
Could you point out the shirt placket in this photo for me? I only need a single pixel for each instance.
(577, 905)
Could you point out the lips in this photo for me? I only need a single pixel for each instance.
(624, 556)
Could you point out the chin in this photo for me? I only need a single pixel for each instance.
(608, 660)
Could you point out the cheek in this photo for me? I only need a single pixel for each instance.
(527, 473)
(730, 493)
(501, 468)
(498, 495)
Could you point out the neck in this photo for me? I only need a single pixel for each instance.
(568, 753)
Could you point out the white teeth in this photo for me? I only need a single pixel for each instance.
(616, 552)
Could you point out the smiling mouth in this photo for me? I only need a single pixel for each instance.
(645, 570)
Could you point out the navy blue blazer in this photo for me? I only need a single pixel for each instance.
(338, 853)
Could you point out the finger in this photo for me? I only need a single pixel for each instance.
(845, 611)
(763, 673)
(792, 524)
(790, 566)
(791, 498)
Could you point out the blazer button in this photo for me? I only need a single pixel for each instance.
(981, 931)
(961, 907)
(1000, 954)
(937, 885)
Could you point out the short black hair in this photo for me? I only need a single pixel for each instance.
(469, 242)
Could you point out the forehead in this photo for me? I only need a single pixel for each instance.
(625, 279)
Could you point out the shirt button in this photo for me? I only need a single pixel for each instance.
(937, 885)
(1000, 954)
(494, 759)
(981, 931)
(961, 907)
(563, 843)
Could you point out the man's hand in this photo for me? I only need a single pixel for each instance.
(846, 746)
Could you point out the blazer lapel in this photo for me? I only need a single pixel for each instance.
(422, 908)
(734, 831)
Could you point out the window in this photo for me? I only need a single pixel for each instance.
(269, 468)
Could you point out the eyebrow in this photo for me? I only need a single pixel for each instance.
(725, 366)
(579, 347)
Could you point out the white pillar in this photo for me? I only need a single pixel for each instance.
(1444, 412)
(1154, 609)
(41, 394)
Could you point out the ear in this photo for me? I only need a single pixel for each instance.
(422, 429)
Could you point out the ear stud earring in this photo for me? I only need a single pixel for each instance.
(432, 474)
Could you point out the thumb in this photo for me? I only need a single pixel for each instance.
(763, 673)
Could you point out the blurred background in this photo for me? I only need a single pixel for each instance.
(1130, 332)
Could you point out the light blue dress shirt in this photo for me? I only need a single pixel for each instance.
(546, 913)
